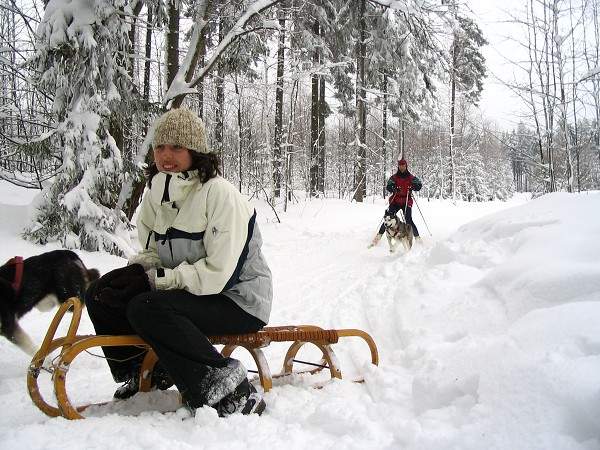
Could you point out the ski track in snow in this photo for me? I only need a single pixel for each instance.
(461, 323)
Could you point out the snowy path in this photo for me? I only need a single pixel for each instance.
(487, 337)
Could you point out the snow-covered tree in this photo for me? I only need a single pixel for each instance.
(80, 57)
(320, 41)
(397, 46)
(403, 66)
(467, 70)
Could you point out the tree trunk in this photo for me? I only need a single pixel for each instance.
(563, 105)
(118, 122)
(592, 57)
(321, 157)
(147, 55)
(574, 97)
(279, 107)
(132, 38)
(138, 185)
(314, 122)
(384, 132)
(452, 114)
(288, 145)
(201, 58)
(196, 53)
(240, 133)
(361, 109)
(172, 42)
(220, 107)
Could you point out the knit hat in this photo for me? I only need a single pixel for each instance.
(402, 162)
(181, 127)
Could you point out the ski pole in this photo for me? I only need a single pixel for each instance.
(422, 217)
(375, 240)
(379, 226)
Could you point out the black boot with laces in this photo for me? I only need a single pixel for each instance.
(160, 380)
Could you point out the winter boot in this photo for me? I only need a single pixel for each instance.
(222, 381)
(160, 380)
(375, 240)
(244, 399)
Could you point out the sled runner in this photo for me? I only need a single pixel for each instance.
(72, 344)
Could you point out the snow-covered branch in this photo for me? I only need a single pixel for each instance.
(180, 87)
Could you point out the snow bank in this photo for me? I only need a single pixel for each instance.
(487, 334)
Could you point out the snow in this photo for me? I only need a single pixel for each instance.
(487, 334)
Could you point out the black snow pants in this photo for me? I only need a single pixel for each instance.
(175, 323)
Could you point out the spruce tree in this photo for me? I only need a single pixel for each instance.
(79, 57)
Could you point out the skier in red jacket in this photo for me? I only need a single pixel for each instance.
(401, 184)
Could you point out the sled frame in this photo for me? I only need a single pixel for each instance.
(72, 345)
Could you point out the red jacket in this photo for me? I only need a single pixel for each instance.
(400, 185)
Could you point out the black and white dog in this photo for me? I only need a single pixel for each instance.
(397, 231)
(41, 281)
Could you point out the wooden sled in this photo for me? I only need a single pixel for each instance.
(72, 344)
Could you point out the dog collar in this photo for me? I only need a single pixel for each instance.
(17, 261)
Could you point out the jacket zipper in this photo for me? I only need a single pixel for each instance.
(148, 240)
(168, 237)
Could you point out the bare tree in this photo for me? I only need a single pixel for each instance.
(277, 154)
(592, 60)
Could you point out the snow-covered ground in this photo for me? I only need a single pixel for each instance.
(488, 334)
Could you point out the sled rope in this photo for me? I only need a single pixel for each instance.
(311, 364)
(115, 359)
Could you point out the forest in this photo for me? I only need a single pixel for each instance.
(301, 99)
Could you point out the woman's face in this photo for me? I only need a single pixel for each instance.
(172, 158)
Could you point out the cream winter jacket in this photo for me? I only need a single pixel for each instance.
(206, 238)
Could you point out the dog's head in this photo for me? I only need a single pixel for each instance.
(390, 220)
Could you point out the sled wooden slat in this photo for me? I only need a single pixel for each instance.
(72, 345)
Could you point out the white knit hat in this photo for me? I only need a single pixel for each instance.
(181, 127)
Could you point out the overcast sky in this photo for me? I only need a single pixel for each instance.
(493, 17)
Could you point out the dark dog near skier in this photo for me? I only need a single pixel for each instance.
(41, 281)
(397, 231)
